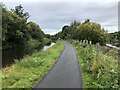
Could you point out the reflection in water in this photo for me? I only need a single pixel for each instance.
(8, 56)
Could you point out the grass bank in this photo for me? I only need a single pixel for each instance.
(25, 73)
(99, 66)
(36, 43)
(31, 43)
(47, 41)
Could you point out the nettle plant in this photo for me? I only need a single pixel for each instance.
(98, 63)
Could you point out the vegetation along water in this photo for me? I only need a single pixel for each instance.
(99, 64)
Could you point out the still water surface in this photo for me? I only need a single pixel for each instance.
(8, 56)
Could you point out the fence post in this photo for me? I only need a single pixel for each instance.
(97, 51)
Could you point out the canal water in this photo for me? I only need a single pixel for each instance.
(46, 47)
(8, 56)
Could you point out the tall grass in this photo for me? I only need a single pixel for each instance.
(25, 73)
(99, 65)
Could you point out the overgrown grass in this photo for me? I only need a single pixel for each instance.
(25, 73)
(99, 69)
(47, 41)
(33, 43)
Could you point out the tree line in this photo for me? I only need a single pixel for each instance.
(86, 30)
(16, 30)
(114, 38)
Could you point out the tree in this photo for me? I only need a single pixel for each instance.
(87, 21)
(15, 29)
(48, 36)
(35, 32)
(93, 32)
(85, 31)
(20, 11)
(114, 38)
(75, 23)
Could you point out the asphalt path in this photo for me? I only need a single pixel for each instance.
(66, 72)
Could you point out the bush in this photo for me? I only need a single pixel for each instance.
(25, 73)
(99, 70)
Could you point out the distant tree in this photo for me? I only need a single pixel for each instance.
(35, 31)
(48, 36)
(85, 31)
(75, 23)
(65, 32)
(20, 11)
(114, 38)
(87, 20)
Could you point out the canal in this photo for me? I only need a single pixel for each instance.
(8, 56)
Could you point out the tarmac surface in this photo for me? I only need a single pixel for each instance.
(66, 72)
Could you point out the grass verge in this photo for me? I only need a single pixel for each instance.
(29, 70)
(99, 68)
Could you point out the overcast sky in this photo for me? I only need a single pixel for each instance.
(52, 16)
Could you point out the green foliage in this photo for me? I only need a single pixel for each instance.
(48, 36)
(20, 11)
(25, 73)
(47, 41)
(13, 28)
(99, 68)
(84, 31)
(34, 43)
(16, 32)
(114, 38)
(34, 31)
(54, 37)
(1, 22)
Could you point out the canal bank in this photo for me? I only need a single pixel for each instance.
(8, 56)
(27, 71)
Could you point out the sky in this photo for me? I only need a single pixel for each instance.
(52, 16)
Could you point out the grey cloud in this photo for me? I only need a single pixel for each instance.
(52, 16)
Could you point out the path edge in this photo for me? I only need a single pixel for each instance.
(78, 64)
(34, 86)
